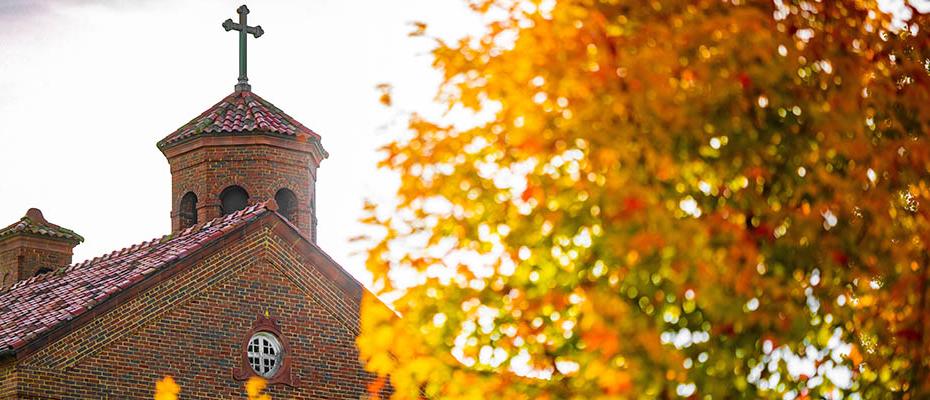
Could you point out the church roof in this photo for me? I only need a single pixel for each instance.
(39, 304)
(35, 224)
(242, 112)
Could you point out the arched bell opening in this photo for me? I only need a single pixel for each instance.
(232, 199)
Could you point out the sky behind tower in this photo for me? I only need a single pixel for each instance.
(88, 86)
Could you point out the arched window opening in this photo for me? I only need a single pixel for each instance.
(43, 270)
(187, 212)
(6, 281)
(287, 204)
(232, 199)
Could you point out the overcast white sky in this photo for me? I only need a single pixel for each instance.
(88, 86)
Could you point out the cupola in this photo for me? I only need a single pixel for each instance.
(33, 246)
(241, 151)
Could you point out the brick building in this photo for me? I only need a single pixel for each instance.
(238, 289)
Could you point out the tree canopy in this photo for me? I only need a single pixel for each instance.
(680, 198)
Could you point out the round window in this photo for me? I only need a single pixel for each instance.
(265, 354)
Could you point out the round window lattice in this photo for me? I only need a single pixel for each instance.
(265, 354)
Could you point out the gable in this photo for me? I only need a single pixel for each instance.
(191, 323)
(76, 295)
(40, 309)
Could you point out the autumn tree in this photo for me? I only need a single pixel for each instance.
(694, 198)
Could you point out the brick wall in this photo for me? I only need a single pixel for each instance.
(7, 381)
(192, 326)
(22, 256)
(9, 268)
(259, 164)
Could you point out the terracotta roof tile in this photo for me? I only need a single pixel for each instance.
(240, 112)
(34, 223)
(37, 305)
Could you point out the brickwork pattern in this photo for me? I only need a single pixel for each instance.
(9, 268)
(23, 261)
(35, 259)
(33, 243)
(192, 326)
(260, 169)
(8, 377)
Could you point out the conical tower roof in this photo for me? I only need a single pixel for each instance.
(240, 113)
(34, 223)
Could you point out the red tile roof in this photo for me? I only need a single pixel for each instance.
(34, 223)
(240, 112)
(37, 305)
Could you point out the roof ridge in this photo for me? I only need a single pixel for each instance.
(209, 110)
(72, 290)
(290, 119)
(81, 264)
(269, 204)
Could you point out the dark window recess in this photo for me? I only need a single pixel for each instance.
(187, 212)
(43, 271)
(287, 204)
(233, 198)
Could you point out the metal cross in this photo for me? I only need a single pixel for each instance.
(244, 29)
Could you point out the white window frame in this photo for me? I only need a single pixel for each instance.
(265, 341)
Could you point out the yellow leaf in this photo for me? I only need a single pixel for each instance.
(167, 389)
(254, 387)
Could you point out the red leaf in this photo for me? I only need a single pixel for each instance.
(744, 80)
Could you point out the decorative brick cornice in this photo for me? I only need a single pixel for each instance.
(37, 242)
(312, 146)
(327, 266)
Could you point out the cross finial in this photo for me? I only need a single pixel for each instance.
(244, 29)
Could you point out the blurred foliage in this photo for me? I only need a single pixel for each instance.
(682, 198)
(168, 389)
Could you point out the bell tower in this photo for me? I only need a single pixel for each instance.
(241, 151)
